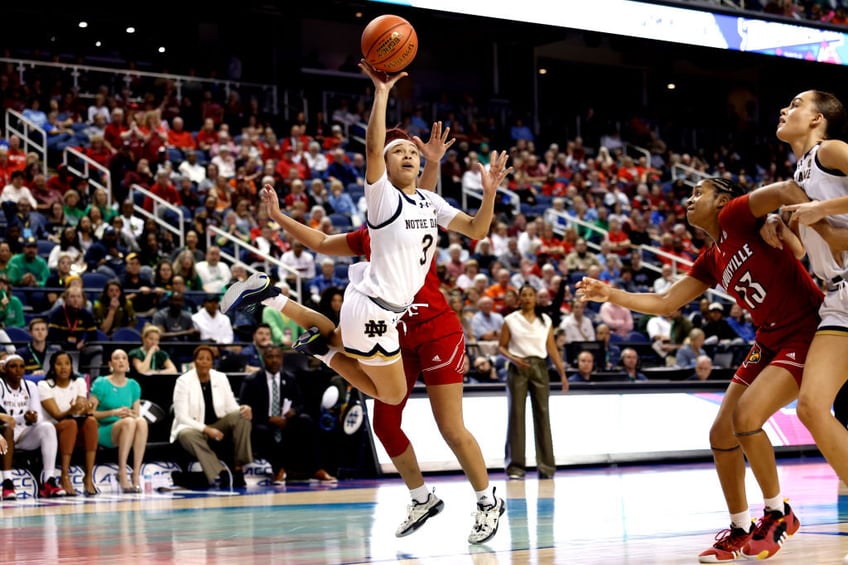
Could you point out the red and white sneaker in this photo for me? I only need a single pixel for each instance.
(728, 545)
(772, 530)
(50, 489)
(9, 490)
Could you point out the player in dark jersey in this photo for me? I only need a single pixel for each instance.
(783, 301)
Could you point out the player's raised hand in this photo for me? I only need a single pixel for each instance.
(494, 176)
(592, 289)
(270, 200)
(438, 144)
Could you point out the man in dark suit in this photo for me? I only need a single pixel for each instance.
(282, 432)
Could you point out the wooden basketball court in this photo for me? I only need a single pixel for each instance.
(617, 515)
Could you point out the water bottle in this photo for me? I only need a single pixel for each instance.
(147, 481)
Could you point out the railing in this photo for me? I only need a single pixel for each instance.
(82, 165)
(29, 133)
(630, 149)
(213, 233)
(690, 175)
(159, 208)
(515, 200)
(85, 79)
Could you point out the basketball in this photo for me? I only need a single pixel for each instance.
(389, 43)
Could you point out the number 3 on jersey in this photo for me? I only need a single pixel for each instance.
(426, 243)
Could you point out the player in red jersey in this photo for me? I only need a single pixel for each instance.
(432, 344)
(783, 301)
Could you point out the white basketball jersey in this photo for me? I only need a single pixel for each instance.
(404, 237)
(821, 184)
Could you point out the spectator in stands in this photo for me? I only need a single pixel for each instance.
(107, 255)
(192, 244)
(68, 245)
(618, 318)
(73, 203)
(174, 320)
(163, 277)
(252, 353)
(612, 352)
(630, 365)
(25, 427)
(72, 327)
(211, 324)
(139, 288)
(716, 327)
(15, 191)
(483, 371)
(64, 400)
(205, 410)
(185, 267)
(326, 279)
(580, 259)
(466, 278)
(44, 195)
(112, 309)
(740, 321)
(498, 289)
(149, 359)
(282, 430)
(214, 273)
(11, 307)
(703, 368)
(192, 169)
(342, 203)
(585, 368)
(665, 280)
(5, 256)
(301, 264)
(133, 225)
(577, 326)
(28, 268)
(527, 341)
(483, 254)
(35, 352)
(693, 348)
(486, 324)
(33, 224)
(116, 401)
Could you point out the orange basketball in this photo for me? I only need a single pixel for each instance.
(389, 43)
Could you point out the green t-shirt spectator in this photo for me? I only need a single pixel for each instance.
(20, 265)
(156, 364)
(12, 314)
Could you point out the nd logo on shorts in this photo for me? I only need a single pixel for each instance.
(373, 328)
(754, 355)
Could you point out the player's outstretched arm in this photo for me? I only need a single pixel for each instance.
(682, 292)
(315, 240)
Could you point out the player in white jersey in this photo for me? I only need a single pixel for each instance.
(811, 124)
(403, 222)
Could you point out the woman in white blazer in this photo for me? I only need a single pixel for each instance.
(195, 426)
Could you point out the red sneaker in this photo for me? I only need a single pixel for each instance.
(9, 490)
(772, 530)
(728, 545)
(50, 489)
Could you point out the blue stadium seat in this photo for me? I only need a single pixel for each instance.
(95, 281)
(341, 222)
(45, 246)
(127, 334)
(341, 270)
(18, 335)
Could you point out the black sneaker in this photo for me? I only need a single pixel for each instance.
(225, 480)
(238, 479)
(9, 490)
(246, 294)
(311, 343)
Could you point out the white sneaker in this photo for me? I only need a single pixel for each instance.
(418, 513)
(486, 521)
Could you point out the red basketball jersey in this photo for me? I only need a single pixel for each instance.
(769, 283)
